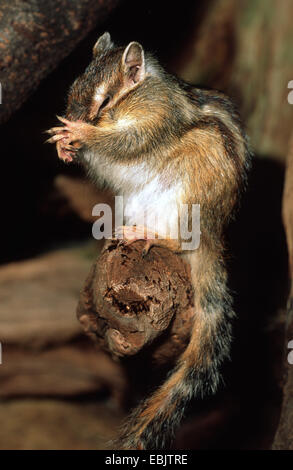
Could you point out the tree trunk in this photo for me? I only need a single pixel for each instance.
(35, 36)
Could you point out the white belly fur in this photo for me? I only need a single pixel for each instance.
(146, 199)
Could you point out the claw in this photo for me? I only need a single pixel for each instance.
(54, 139)
(69, 125)
(70, 148)
(65, 121)
(54, 130)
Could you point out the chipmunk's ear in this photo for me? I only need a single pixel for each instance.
(133, 62)
(103, 44)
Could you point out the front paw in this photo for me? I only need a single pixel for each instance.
(68, 139)
(65, 150)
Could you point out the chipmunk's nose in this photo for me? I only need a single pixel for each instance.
(94, 109)
(99, 103)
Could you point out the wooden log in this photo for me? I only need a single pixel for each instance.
(35, 36)
(42, 306)
(63, 371)
(44, 352)
(129, 302)
(57, 424)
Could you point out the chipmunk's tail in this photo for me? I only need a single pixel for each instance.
(153, 423)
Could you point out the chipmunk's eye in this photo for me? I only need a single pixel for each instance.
(105, 102)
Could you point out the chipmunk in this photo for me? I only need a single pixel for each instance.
(161, 142)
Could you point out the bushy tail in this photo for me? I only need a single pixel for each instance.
(153, 423)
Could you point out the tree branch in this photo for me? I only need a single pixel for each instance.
(35, 36)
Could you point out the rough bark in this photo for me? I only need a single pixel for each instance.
(128, 301)
(35, 36)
